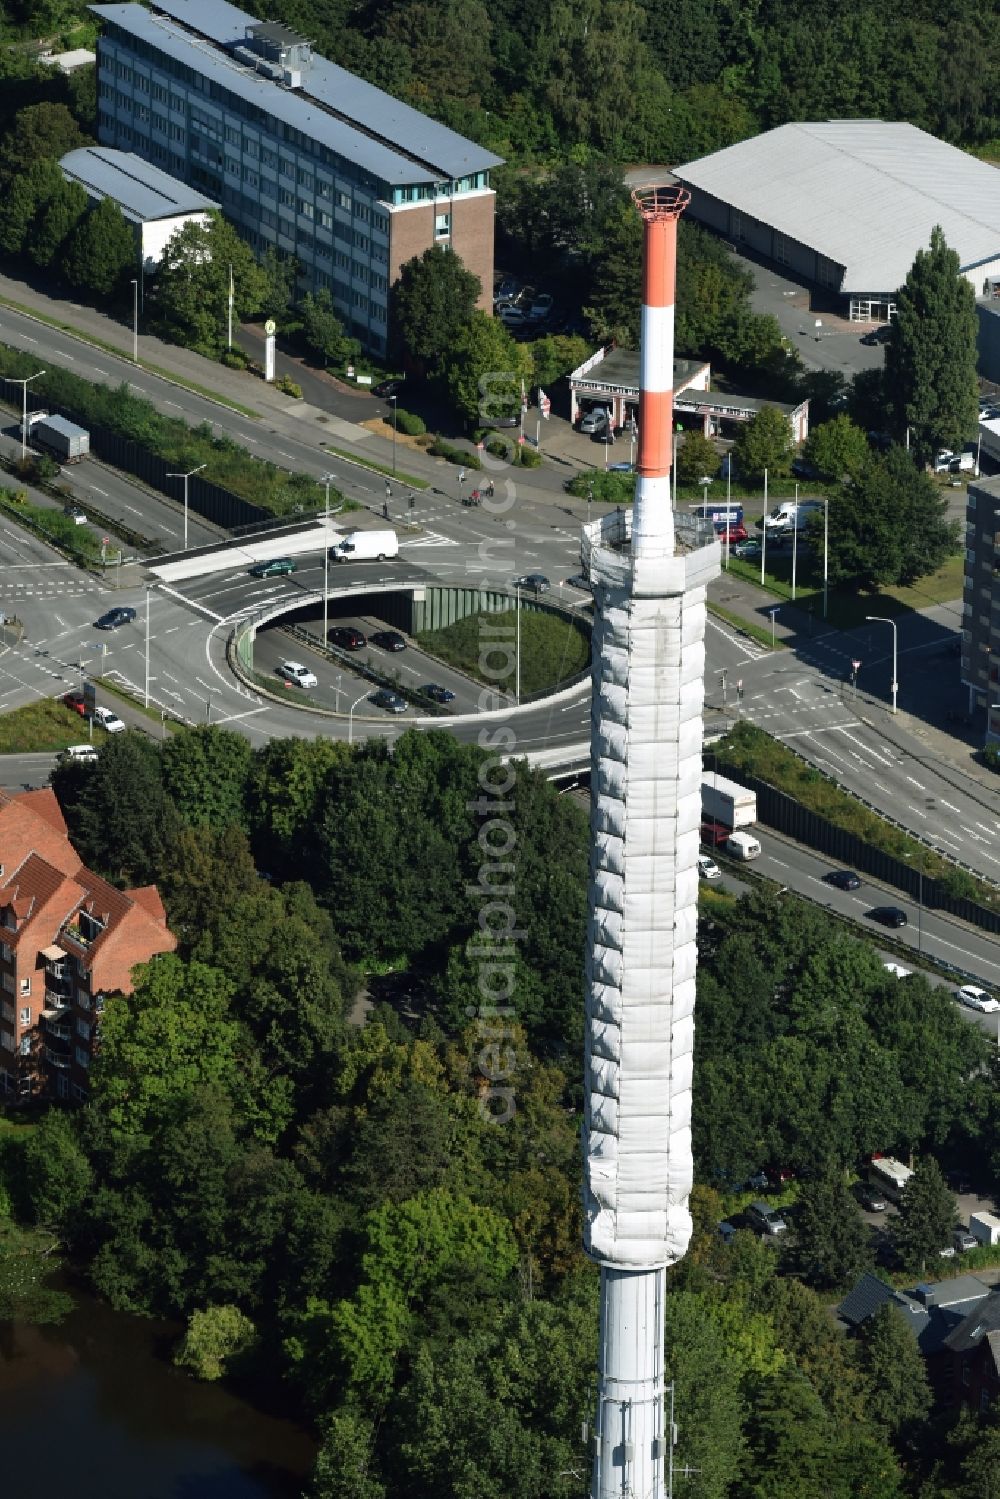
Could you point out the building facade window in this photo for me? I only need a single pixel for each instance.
(24, 1015)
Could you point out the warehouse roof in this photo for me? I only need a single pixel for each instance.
(352, 118)
(142, 192)
(864, 193)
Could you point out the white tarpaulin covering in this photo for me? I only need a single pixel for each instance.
(649, 661)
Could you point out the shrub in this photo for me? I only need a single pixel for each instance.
(289, 387)
(529, 457)
(991, 756)
(234, 359)
(409, 423)
(441, 449)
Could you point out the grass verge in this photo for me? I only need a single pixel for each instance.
(43, 726)
(747, 627)
(553, 649)
(410, 480)
(747, 750)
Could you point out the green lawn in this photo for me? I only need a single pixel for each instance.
(847, 609)
(46, 725)
(552, 648)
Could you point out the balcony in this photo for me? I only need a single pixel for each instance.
(55, 1060)
(58, 1032)
(55, 1003)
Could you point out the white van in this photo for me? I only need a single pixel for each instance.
(362, 546)
(783, 516)
(742, 846)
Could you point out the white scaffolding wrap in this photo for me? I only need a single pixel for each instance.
(649, 662)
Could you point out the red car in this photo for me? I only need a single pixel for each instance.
(733, 535)
(74, 700)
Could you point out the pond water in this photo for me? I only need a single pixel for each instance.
(93, 1409)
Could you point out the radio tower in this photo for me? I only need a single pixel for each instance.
(646, 742)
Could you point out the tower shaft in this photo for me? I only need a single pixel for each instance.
(646, 742)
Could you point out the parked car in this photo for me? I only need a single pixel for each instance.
(594, 421)
(726, 1231)
(347, 637)
(386, 388)
(297, 674)
(437, 694)
(897, 970)
(541, 307)
(389, 640)
(75, 701)
(977, 999)
(708, 869)
(963, 1241)
(802, 469)
(734, 535)
(625, 468)
(76, 515)
(870, 1198)
(887, 916)
(766, 1220)
(108, 721)
(844, 879)
(533, 582)
(80, 753)
(272, 567)
(390, 701)
(511, 316)
(122, 614)
(505, 419)
(748, 550)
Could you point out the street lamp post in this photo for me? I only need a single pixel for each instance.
(189, 475)
(826, 551)
(325, 481)
(772, 613)
(590, 501)
(880, 619)
(517, 647)
(394, 399)
(350, 717)
(24, 383)
(146, 692)
(135, 320)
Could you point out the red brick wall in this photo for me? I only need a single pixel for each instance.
(411, 232)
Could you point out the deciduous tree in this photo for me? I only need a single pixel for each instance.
(899, 1394)
(100, 250)
(55, 221)
(838, 449)
(430, 304)
(484, 368)
(831, 1238)
(764, 442)
(927, 1215)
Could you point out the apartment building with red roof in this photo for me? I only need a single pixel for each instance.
(68, 939)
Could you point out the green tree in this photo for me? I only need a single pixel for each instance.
(614, 299)
(213, 1339)
(888, 525)
(346, 1466)
(930, 358)
(898, 1393)
(38, 132)
(323, 329)
(697, 458)
(205, 772)
(100, 250)
(58, 1175)
(285, 792)
(484, 368)
(764, 442)
(174, 1033)
(26, 195)
(191, 290)
(203, 874)
(55, 222)
(431, 303)
(927, 1215)
(838, 449)
(119, 817)
(831, 1238)
(556, 355)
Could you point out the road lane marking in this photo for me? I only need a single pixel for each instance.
(191, 603)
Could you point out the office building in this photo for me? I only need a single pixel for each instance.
(302, 155)
(68, 939)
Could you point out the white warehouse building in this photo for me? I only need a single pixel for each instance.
(155, 204)
(846, 204)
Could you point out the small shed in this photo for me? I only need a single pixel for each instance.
(154, 203)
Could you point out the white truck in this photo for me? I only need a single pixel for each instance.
(54, 434)
(889, 1175)
(364, 546)
(742, 846)
(985, 1227)
(726, 802)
